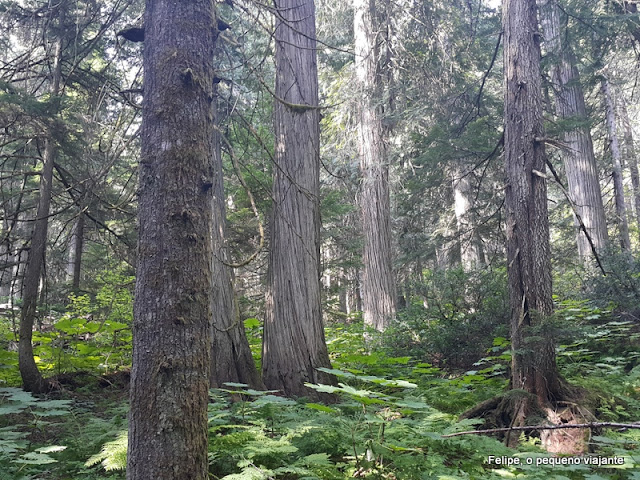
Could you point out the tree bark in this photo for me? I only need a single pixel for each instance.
(378, 285)
(32, 379)
(470, 242)
(231, 356)
(579, 159)
(294, 344)
(172, 308)
(630, 157)
(8, 258)
(616, 172)
(76, 247)
(527, 226)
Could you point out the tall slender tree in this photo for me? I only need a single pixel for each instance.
(76, 249)
(231, 356)
(630, 155)
(471, 254)
(579, 159)
(616, 160)
(378, 285)
(293, 344)
(32, 379)
(172, 309)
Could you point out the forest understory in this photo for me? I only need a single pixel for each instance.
(393, 416)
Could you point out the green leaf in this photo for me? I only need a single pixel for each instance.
(271, 400)
(17, 395)
(323, 388)
(250, 323)
(9, 409)
(58, 404)
(320, 407)
(337, 373)
(53, 413)
(34, 458)
(51, 449)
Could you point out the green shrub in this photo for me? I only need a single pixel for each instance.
(455, 320)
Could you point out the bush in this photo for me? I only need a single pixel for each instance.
(455, 319)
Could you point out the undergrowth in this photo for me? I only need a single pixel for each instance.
(394, 410)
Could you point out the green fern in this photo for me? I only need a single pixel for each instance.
(113, 455)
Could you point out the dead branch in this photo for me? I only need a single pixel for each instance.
(547, 427)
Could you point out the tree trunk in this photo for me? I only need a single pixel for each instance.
(630, 156)
(378, 286)
(8, 259)
(293, 344)
(32, 379)
(527, 226)
(172, 309)
(231, 356)
(616, 173)
(579, 159)
(76, 247)
(470, 241)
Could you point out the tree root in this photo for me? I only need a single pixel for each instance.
(518, 408)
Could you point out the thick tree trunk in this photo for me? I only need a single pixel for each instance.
(32, 379)
(630, 157)
(231, 356)
(294, 344)
(378, 285)
(172, 309)
(76, 247)
(527, 226)
(579, 159)
(468, 236)
(616, 172)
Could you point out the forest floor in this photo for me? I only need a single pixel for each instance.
(392, 421)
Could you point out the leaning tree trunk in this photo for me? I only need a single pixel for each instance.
(579, 158)
(616, 172)
(231, 356)
(293, 344)
(32, 379)
(378, 286)
(527, 226)
(470, 242)
(172, 309)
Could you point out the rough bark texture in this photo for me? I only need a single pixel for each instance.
(8, 259)
(470, 242)
(32, 379)
(616, 171)
(76, 247)
(172, 309)
(527, 227)
(231, 356)
(378, 285)
(579, 160)
(294, 345)
(630, 156)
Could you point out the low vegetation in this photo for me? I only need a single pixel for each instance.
(393, 412)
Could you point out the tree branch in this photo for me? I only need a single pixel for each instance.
(547, 427)
(578, 217)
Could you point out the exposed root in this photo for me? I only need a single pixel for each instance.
(518, 408)
(571, 441)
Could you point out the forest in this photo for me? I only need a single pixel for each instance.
(319, 239)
